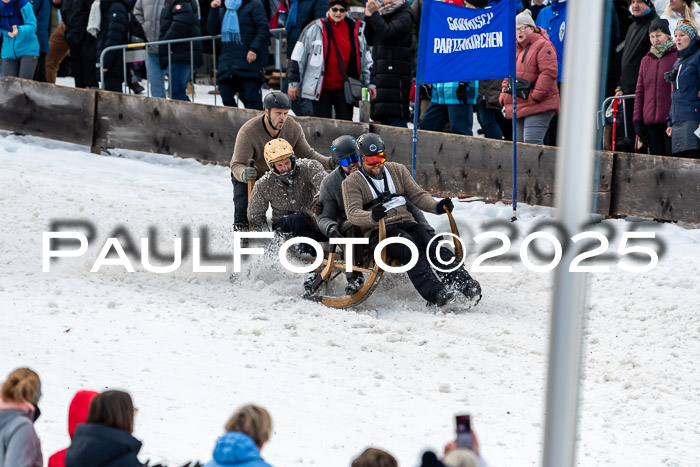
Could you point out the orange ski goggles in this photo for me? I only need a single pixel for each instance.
(376, 159)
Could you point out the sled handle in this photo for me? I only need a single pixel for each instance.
(459, 251)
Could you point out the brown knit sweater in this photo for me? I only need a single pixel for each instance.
(357, 193)
(285, 199)
(251, 140)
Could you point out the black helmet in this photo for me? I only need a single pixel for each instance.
(343, 147)
(277, 100)
(370, 144)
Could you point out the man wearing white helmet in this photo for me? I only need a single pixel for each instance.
(289, 187)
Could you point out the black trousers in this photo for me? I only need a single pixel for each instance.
(40, 70)
(333, 99)
(83, 57)
(658, 141)
(298, 225)
(240, 201)
(422, 276)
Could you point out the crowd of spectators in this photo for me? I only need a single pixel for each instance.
(374, 44)
(101, 426)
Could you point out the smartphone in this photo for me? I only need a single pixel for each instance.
(464, 432)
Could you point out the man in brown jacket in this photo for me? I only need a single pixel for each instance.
(250, 144)
(380, 190)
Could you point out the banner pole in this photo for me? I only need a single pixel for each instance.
(416, 111)
(515, 152)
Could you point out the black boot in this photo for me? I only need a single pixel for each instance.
(355, 282)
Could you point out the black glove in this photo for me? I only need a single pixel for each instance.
(378, 212)
(642, 131)
(333, 232)
(445, 204)
(670, 76)
(461, 92)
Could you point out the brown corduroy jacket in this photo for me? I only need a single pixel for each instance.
(357, 193)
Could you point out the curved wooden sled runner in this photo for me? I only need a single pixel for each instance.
(331, 263)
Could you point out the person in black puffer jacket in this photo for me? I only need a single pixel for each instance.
(114, 30)
(243, 54)
(389, 30)
(105, 437)
(180, 19)
(75, 15)
(637, 45)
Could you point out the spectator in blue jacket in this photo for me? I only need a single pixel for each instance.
(246, 433)
(553, 20)
(42, 11)
(301, 13)
(20, 46)
(684, 120)
(245, 36)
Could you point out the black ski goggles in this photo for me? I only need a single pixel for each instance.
(351, 159)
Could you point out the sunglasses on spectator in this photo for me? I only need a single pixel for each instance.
(352, 159)
(338, 10)
(376, 159)
(522, 28)
(682, 21)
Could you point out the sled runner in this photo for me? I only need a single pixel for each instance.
(332, 266)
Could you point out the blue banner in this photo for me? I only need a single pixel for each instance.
(465, 44)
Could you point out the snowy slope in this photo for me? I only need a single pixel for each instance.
(191, 347)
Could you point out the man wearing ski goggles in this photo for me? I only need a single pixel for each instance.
(349, 161)
(383, 190)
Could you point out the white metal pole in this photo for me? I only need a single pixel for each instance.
(575, 162)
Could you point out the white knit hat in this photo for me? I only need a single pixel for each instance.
(525, 19)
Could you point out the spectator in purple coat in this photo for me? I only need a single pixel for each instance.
(652, 99)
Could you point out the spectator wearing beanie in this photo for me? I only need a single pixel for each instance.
(536, 64)
(681, 9)
(637, 45)
(315, 72)
(685, 93)
(19, 396)
(652, 98)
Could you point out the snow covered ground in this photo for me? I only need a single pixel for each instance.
(191, 347)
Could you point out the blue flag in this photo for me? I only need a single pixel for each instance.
(465, 44)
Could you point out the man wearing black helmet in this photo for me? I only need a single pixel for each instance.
(250, 144)
(333, 221)
(382, 190)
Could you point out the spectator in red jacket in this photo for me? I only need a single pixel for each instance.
(536, 65)
(652, 98)
(77, 414)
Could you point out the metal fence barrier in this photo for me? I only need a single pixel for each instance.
(129, 55)
(603, 108)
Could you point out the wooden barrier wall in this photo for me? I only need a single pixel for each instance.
(630, 184)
